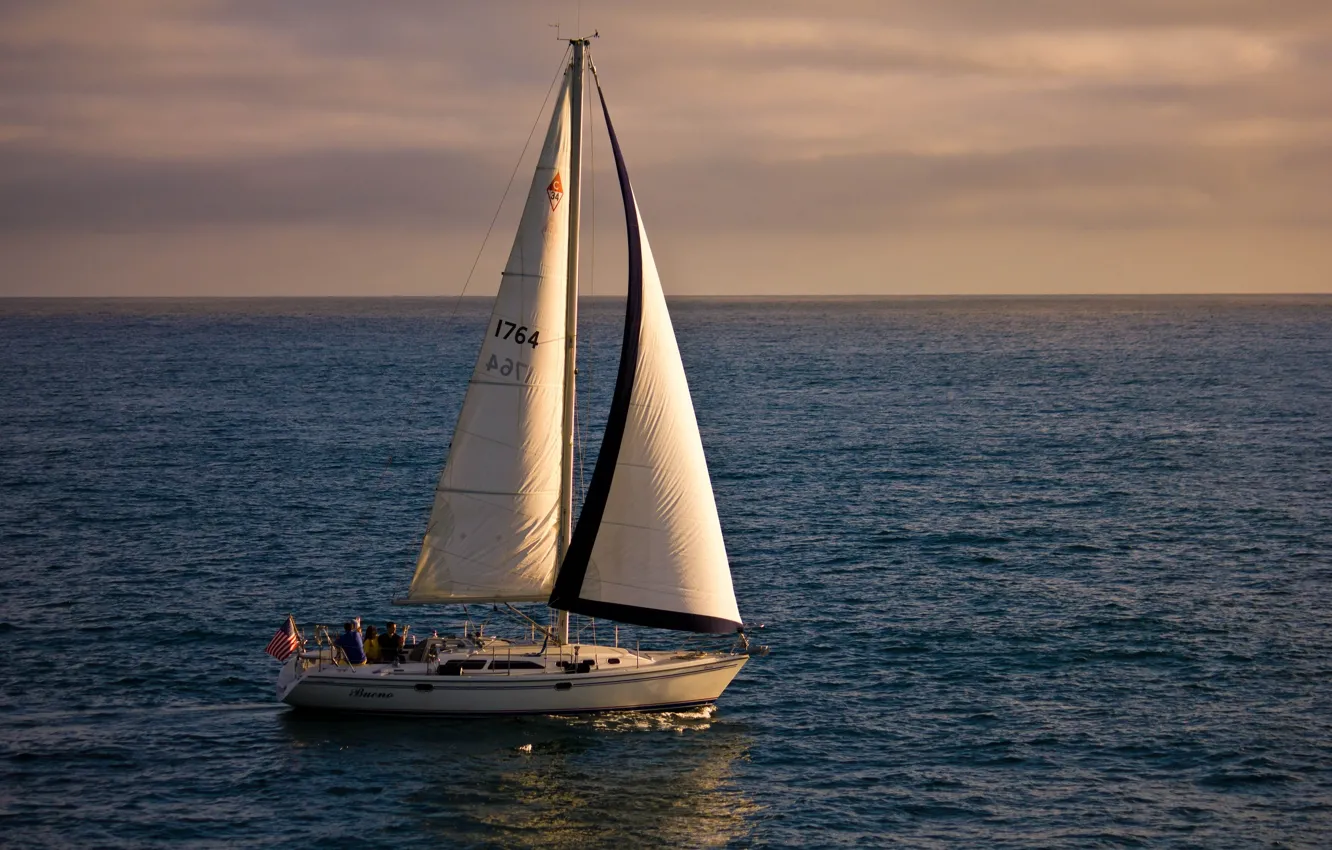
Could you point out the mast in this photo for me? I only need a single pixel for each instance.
(571, 315)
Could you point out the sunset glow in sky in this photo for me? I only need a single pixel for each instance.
(343, 147)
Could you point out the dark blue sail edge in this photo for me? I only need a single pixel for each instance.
(566, 594)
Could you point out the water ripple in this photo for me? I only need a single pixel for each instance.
(1035, 573)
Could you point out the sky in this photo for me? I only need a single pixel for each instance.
(332, 147)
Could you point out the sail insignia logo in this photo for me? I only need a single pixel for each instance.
(555, 191)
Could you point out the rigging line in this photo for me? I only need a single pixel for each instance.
(591, 184)
(545, 631)
(564, 62)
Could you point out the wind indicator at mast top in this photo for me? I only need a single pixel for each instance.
(580, 40)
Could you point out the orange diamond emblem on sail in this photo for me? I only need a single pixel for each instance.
(555, 191)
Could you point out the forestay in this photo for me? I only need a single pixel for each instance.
(648, 546)
(492, 531)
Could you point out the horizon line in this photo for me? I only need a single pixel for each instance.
(692, 296)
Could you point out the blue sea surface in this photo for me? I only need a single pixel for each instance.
(1034, 572)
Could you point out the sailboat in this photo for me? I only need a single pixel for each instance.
(647, 548)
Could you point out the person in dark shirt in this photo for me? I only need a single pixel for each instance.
(390, 643)
(350, 641)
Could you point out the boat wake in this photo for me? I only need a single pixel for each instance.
(690, 720)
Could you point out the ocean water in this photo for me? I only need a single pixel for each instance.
(1034, 573)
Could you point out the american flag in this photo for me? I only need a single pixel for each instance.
(284, 641)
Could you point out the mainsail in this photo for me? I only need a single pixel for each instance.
(493, 529)
(648, 546)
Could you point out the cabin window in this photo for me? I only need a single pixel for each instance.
(612, 661)
(456, 666)
(517, 665)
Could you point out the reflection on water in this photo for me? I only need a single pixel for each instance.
(638, 779)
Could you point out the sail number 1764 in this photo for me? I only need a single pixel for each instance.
(518, 333)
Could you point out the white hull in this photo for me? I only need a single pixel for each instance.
(632, 682)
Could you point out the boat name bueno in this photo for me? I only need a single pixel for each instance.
(362, 692)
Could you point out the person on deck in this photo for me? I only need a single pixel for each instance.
(390, 643)
(351, 644)
(371, 644)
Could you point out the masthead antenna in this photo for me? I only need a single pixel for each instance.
(587, 39)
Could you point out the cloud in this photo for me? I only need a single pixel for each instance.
(157, 116)
(1054, 187)
(418, 189)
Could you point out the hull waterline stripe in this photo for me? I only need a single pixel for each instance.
(476, 682)
(407, 712)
